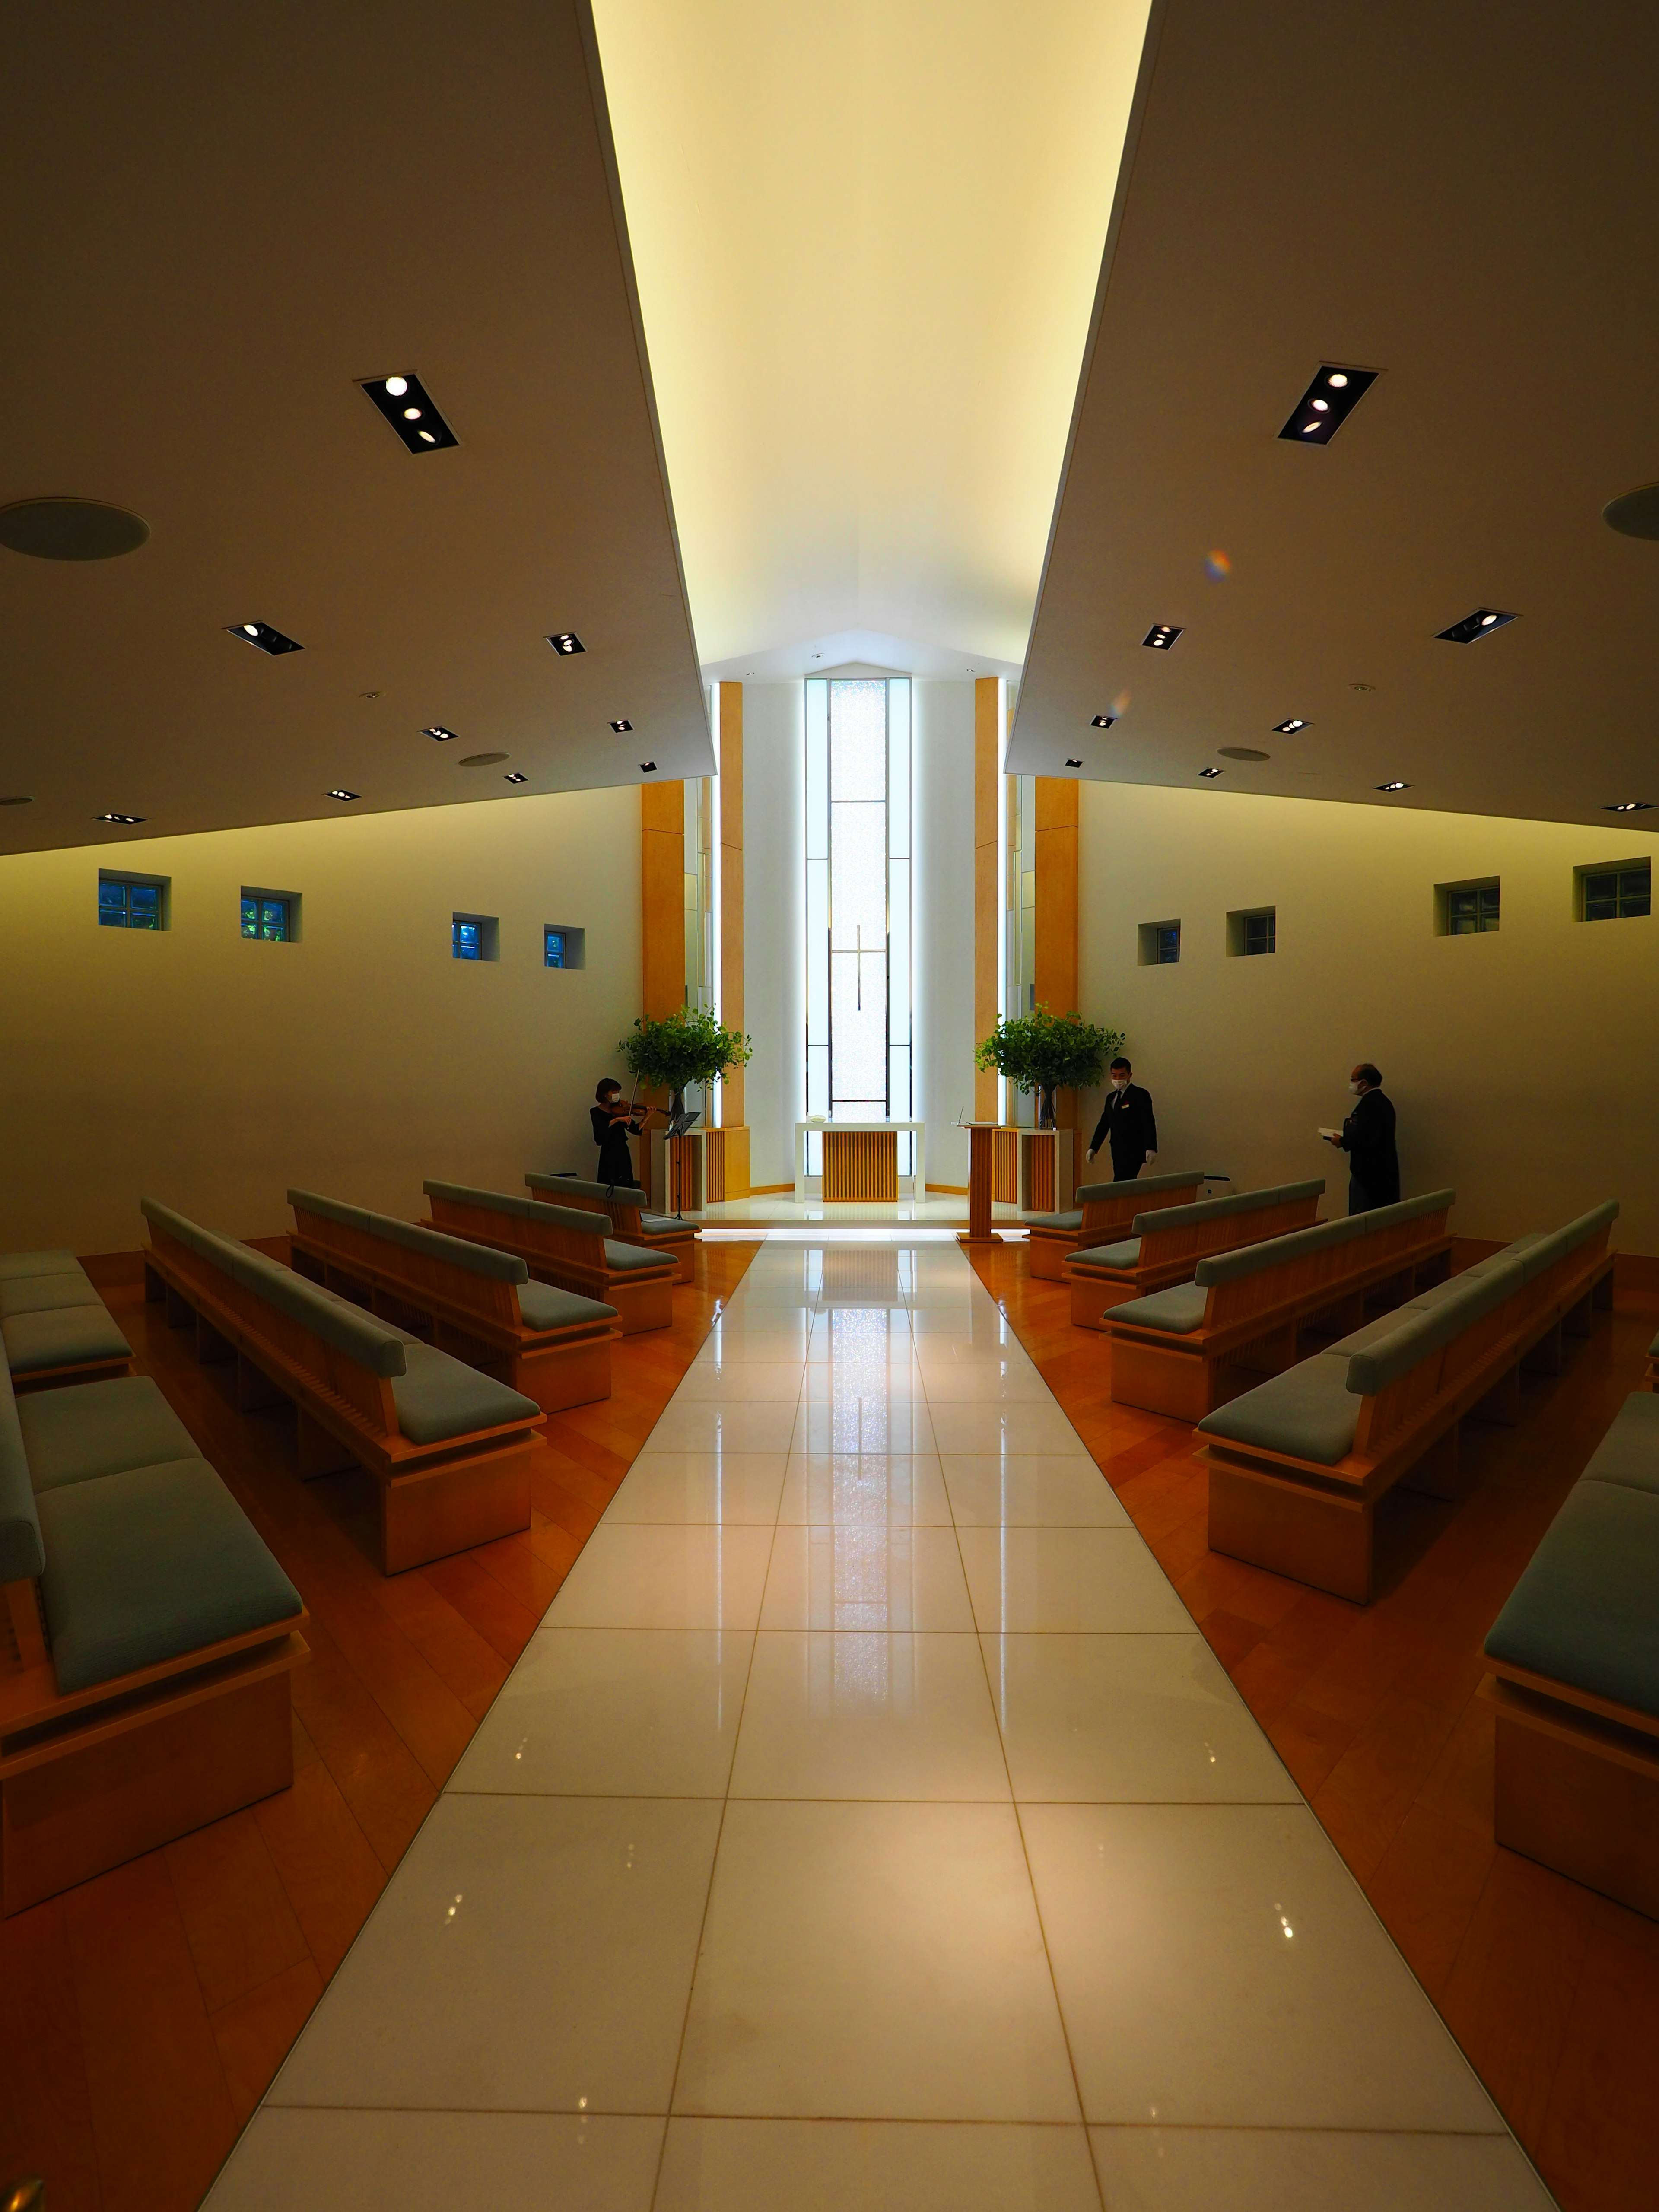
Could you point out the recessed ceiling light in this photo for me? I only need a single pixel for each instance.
(341, 794)
(1289, 729)
(1103, 721)
(1162, 636)
(439, 734)
(1395, 786)
(647, 768)
(513, 776)
(1327, 404)
(386, 391)
(1481, 623)
(1073, 763)
(1212, 771)
(1633, 514)
(262, 635)
(70, 529)
(1628, 806)
(129, 819)
(566, 640)
(622, 728)
(480, 760)
(1243, 753)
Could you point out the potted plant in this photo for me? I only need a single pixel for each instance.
(679, 1049)
(1046, 1053)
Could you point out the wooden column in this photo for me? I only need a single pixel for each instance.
(1056, 976)
(662, 892)
(988, 890)
(728, 926)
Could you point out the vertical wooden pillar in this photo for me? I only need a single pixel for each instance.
(728, 931)
(662, 878)
(988, 893)
(1056, 978)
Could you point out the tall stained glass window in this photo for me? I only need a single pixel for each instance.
(859, 1055)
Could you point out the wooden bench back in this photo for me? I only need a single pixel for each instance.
(1309, 1274)
(427, 1275)
(622, 1211)
(325, 1365)
(520, 1233)
(1196, 1240)
(1116, 1212)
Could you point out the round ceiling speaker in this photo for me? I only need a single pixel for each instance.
(20, 801)
(1243, 753)
(481, 760)
(1634, 513)
(70, 529)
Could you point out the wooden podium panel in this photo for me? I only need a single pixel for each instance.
(1005, 1169)
(860, 1164)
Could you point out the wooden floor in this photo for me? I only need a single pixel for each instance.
(143, 2015)
(1552, 1991)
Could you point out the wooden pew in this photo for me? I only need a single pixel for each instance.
(1574, 1686)
(54, 1326)
(478, 1305)
(147, 1641)
(1183, 1351)
(466, 1482)
(1102, 1215)
(561, 1245)
(1167, 1246)
(631, 1222)
(1297, 1465)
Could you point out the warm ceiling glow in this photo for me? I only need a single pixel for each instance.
(867, 238)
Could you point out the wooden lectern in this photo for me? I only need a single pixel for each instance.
(981, 1167)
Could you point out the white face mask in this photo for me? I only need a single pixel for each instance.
(1120, 1083)
(1357, 1087)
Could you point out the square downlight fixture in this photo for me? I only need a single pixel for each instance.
(1395, 786)
(1481, 623)
(647, 768)
(565, 642)
(515, 775)
(342, 794)
(1162, 636)
(1070, 762)
(1327, 404)
(1290, 728)
(1102, 722)
(402, 400)
(261, 635)
(126, 821)
(439, 735)
(623, 728)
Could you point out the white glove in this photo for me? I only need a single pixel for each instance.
(1090, 1157)
(1152, 1156)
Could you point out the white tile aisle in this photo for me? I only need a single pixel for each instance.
(867, 1826)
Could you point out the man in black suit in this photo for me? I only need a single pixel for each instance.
(1367, 1137)
(1127, 1125)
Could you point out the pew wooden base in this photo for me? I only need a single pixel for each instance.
(1315, 1524)
(433, 1499)
(1186, 1377)
(97, 1780)
(1576, 1786)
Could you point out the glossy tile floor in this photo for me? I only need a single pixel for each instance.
(867, 1825)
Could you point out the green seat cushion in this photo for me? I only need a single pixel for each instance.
(1176, 1312)
(1307, 1411)
(89, 1429)
(1107, 1259)
(1583, 1612)
(1628, 1454)
(145, 1567)
(542, 1305)
(22, 1553)
(14, 1264)
(438, 1397)
(63, 1336)
(624, 1258)
(663, 1224)
(40, 1293)
(1060, 1221)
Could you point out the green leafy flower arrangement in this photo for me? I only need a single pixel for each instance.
(1046, 1053)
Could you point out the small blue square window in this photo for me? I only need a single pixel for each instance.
(270, 918)
(124, 904)
(553, 942)
(464, 943)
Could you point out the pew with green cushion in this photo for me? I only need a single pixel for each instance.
(1182, 1351)
(478, 1303)
(56, 1327)
(1297, 1465)
(564, 1245)
(145, 1680)
(625, 1209)
(1575, 1677)
(451, 1450)
(1165, 1247)
(1101, 1216)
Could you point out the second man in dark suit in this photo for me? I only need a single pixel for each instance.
(1127, 1125)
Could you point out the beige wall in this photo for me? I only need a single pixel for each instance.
(1524, 1065)
(214, 1072)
